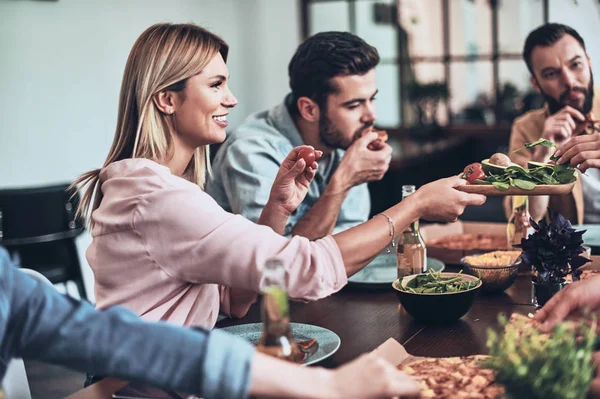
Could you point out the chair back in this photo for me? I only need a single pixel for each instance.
(37, 212)
(38, 227)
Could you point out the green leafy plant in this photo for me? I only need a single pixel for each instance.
(554, 249)
(534, 365)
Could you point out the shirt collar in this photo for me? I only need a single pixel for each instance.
(281, 118)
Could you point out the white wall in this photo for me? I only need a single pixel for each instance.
(585, 19)
(61, 65)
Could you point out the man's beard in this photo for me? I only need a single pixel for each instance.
(588, 101)
(333, 137)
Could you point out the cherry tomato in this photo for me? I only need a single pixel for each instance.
(473, 172)
(308, 154)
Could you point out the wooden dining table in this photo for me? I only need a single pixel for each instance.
(365, 318)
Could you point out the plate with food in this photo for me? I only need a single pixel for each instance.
(450, 249)
(316, 342)
(498, 175)
(382, 271)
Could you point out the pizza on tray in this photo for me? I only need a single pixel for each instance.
(454, 377)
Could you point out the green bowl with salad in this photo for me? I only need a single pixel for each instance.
(437, 297)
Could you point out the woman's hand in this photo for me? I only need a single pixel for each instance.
(290, 187)
(294, 177)
(571, 300)
(440, 201)
(370, 376)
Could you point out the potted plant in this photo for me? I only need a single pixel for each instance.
(554, 249)
(425, 97)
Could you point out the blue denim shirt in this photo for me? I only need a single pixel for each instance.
(248, 161)
(36, 322)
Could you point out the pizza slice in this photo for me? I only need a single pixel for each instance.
(454, 377)
(376, 144)
(525, 324)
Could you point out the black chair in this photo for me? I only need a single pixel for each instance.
(38, 227)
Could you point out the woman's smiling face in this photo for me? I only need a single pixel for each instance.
(201, 109)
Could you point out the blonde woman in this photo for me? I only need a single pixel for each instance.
(161, 246)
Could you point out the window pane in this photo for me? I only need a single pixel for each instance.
(422, 21)
(382, 36)
(471, 92)
(514, 72)
(516, 94)
(331, 15)
(470, 27)
(424, 74)
(388, 98)
(516, 18)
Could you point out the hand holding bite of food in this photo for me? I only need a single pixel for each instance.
(378, 143)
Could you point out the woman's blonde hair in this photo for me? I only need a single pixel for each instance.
(162, 58)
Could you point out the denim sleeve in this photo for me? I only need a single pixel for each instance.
(36, 322)
(248, 171)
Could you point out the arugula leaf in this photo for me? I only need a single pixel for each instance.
(564, 174)
(527, 179)
(542, 142)
(516, 169)
(524, 184)
(501, 186)
(546, 178)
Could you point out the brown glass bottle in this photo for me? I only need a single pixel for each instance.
(518, 226)
(411, 250)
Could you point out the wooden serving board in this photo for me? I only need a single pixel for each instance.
(542, 189)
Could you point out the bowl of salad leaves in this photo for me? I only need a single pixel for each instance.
(437, 297)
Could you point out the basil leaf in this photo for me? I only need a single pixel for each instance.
(524, 184)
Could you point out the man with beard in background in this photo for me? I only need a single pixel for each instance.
(561, 70)
(331, 107)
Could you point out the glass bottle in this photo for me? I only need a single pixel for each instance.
(276, 339)
(518, 226)
(412, 253)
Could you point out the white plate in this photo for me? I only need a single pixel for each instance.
(328, 342)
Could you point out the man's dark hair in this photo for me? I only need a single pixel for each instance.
(547, 35)
(324, 56)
